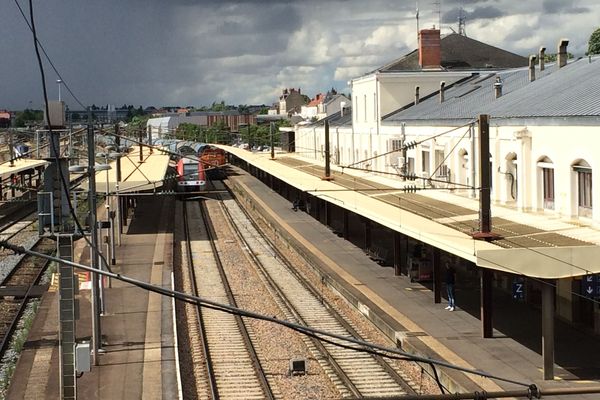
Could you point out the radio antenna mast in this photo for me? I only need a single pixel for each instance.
(417, 16)
(438, 4)
(462, 23)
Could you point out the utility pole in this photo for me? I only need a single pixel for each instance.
(141, 138)
(485, 214)
(11, 148)
(118, 179)
(96, 331)
(485, 225)
(327, 176)
(54, 221)
(272, 140)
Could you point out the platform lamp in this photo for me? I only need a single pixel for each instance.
(59, 81)
(109, 248)
(113, 155)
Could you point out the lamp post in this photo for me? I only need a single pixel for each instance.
(112, 155)
(109, 247)
(58, 81)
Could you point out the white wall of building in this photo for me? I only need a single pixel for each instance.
(163, 126)
(514, 149)
(378, 94)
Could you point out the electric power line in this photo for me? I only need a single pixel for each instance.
(360, 345)
(60, 174)
(32, 28)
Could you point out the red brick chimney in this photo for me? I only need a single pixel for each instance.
(430, 54)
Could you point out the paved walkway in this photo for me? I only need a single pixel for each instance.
(137, 328)
(406, 311)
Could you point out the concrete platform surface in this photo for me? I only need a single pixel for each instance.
(138, 358)
(406, 311)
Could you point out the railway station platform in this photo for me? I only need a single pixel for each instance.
(405, 312)
(138, 358)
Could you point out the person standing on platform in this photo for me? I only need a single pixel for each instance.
(450, 281)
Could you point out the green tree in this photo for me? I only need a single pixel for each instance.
(218, 106)
(189, 132)
(139, 121)
(552, 57)
(594, 43)
(216, 133)
(27, 115)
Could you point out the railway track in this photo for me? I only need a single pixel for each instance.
(14, 214)
(20, 286)
(354, 373)
(231, 364)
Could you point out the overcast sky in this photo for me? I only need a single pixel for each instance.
(194, 52)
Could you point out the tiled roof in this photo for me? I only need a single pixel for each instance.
(317, 100)
(569, 91)
(461, 52)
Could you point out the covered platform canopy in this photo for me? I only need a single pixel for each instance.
(136, 176)
(20, 165)
(531, 246)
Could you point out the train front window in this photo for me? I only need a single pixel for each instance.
(190, 171)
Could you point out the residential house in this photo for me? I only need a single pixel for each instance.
(324, 105)
(291, 101)
(4, 119)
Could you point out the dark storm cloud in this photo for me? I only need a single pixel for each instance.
(197, 51)
(487, 12)
(562, 6)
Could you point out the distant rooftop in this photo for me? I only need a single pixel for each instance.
(461, 52)
(567, 92)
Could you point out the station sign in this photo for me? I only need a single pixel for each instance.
(518, 289)
(590, 286)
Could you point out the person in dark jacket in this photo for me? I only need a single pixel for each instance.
(450, 281)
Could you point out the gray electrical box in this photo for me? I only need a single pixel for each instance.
(82, 357)
(57, 114)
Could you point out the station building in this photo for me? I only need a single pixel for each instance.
(543, 120)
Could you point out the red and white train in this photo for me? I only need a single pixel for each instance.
(193, 171)
(190, 174)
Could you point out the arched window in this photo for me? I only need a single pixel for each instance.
(583, 172)
(463, 166)
(547, 181)
(510, 172)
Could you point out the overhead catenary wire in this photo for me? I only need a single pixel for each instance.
(516, 272)
(450, 152)
(587, 271)
(426, 206)
(412, 144)
(319, 334)
(43, 146)
(413, 177)
(32, 28)
(60, 174)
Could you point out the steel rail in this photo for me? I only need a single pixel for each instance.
(24, 302)
(338, 317)
(321, 348)
(230, 297)
(208, 362)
